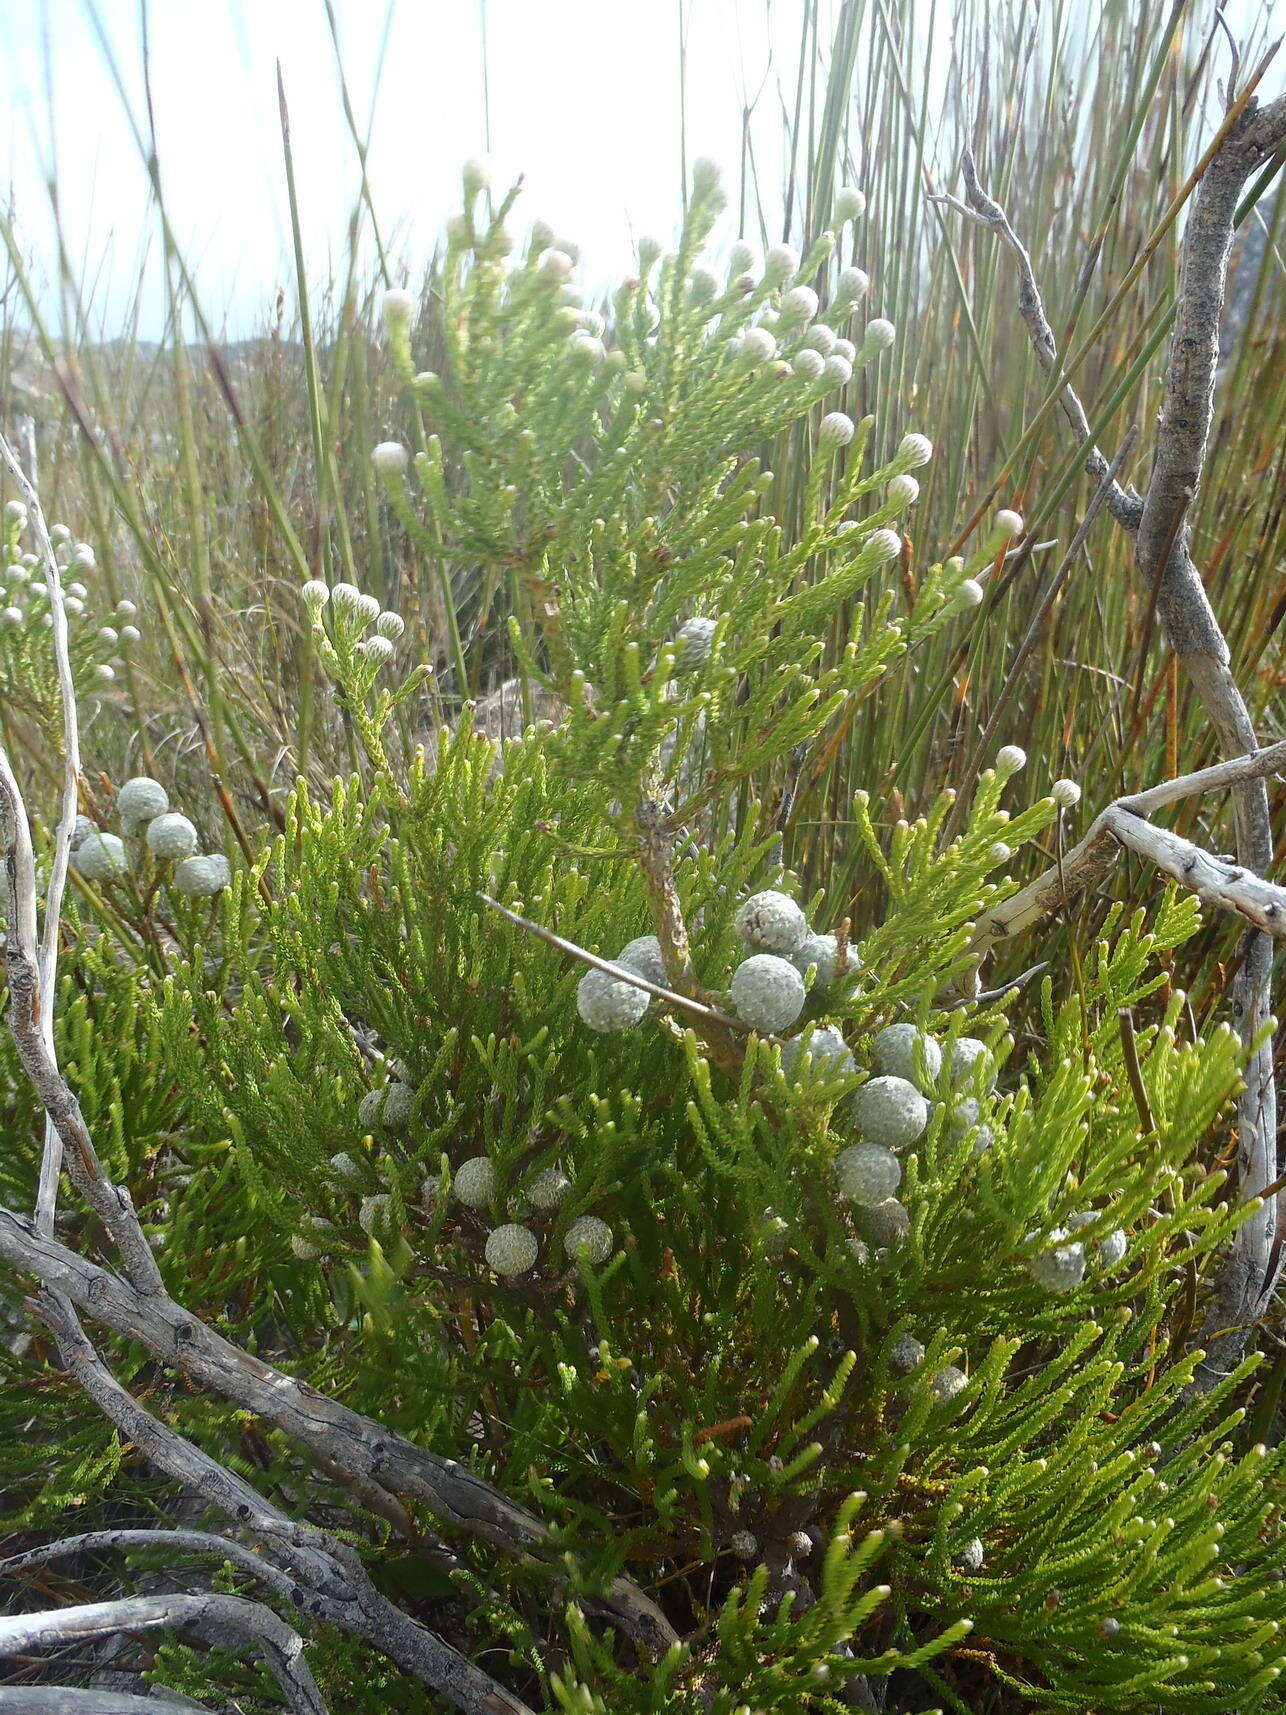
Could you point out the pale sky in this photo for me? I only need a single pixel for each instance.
(584, 99)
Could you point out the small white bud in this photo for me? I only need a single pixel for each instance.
(741, 259)
(820, 338)
(548, 1188)
(835, 430)
(314, 594)
(202, 877)
(586, 348)
(850, 204)
(890, 1111)
(378, 649)
(1010, 759)
(969, 593)
(141, 800)
(556, 264)
(881, 546)
(799, 304)
(101, 857)
(397, 306)
(879, 336)
(16, 513)
(771, 922)
(1009, 524)
(73, 605)
(846, 349)
(903, 490)
(809, 365)
(474, 1182)
(743, 1544)
(780, 264)
(707, 178)
(130, 634)
(84, 557)
(511, 1249)
(12, 616)
(390, 624)
(867, 1173)
(606, 1003)
(126, 609)
(476, 175)
(390, 458)
(171, 837)
(837, 371)
(1000, 852)
(588, 1240)
(767, 992)
(757, 345)
(1066, 793)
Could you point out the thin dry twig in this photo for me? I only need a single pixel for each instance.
(1157, 527)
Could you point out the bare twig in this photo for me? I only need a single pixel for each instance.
(1214, 880)
(1157, 527)
(228, 1621)
(1096, 852)
(70, 1700)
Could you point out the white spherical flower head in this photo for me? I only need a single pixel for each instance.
(374, 1213)
(126, 610)
(948, 1383)
(890, 1111)
(586, 349)
(767, 993)
(967, 1053)
(780, 264)
(818, 953)
(1009, 525)
(881, 546)
(548, 1188)
(378, 649)
(314, 594)
(104, 671)
(851, 287)
(557, 264)
(741, 258)
(1000, 852)
(972, 1555)
(820, 338)
(695, 638)
(706, 176)
(834, 431)
(397, 306)
(101, 857)
(12, 617)
(886, 1224)
(906, 1354)
(643, 954)
(846, 349)
(84, 557)
(81, 829)
(141, 800)
(130, 634)
(171, 837)
(914, 450)
(837, 371)
(588, 1240)
(511, 1249)
(302, 1249)
(476, 174)
(850, 204)
(771, 922)
(390, 458)
(757, 345)
(903, 490)
(1112, 1249)
(879, 336)
(15, 513)
(824, 1054)
(799, 304)
(202, 877)
(809, 365)
(902, 1051)
(390, 625)
(744, 1544)
(343, 1166)
(702, 287)
(1065, 793)
(1010, 759)
(867, 1174)
(606, 1003)
(394, 1106)
(969, 593)
(474, 1182)
(1060, 1267)
(73, 605)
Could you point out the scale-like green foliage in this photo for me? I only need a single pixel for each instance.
(826, 1445)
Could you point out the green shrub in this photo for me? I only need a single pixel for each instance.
(945, 1446)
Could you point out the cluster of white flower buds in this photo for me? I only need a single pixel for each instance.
(352, 612)
(143, 806)
(25, 599)
(512, 1248)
